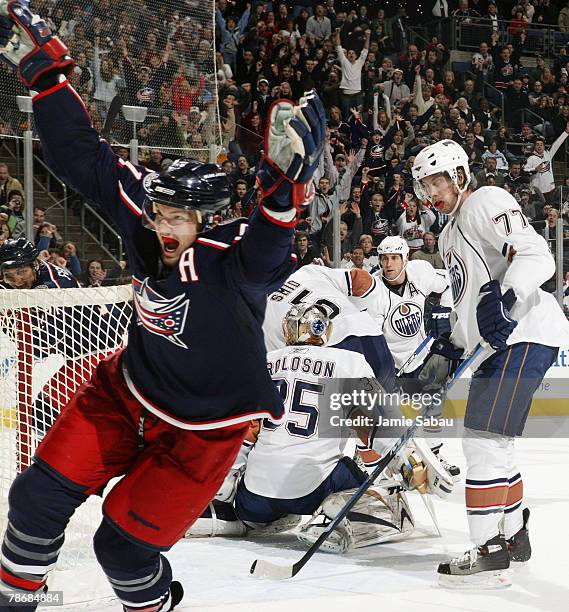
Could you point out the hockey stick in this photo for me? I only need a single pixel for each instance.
(114, 110)
(464, 365)
(266, 569)
(417, 352)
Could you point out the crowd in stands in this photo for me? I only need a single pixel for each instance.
(387, 95)
(47, 239)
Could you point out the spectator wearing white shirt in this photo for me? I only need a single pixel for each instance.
(396, 90)
(356, 260)
(440, 9)
(371, 260)
(540, 165)
(483, 62)
(413, 222)
(351, 94)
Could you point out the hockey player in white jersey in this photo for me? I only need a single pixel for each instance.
(398, 300)
(496, 262)
(397, 303)
(298, 467)
(341, 293)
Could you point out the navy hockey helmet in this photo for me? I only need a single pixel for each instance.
(189, 184)
(17, 253)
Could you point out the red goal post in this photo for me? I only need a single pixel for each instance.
(50, 343)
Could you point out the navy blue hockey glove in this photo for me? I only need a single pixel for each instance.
(294, 142)
(439, 365)
(26, 43)
(495, 323)
(439, 322)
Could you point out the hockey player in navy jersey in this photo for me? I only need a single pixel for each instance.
(82, 334)
(496, 264)
(21, 268)
(170, 411)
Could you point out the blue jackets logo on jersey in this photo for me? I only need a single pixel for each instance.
(162, 316)
(458, 275)
(406, 319)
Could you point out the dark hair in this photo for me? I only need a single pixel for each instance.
(100, 261)
(16, 192)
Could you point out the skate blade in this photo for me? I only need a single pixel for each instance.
(518, 566)
(482, 581)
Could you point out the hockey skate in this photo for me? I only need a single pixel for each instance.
(481, 567)
(519, 546)
(218, 519)
(453, 470)
(171, 599)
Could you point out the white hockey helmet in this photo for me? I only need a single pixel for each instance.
(307, 324)
(393, 245)
(443, 156)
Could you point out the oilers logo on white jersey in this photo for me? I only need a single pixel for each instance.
(407, 319)
(458, 274)
(399, 312)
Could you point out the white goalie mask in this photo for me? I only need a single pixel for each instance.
(307, 324)
(445, 156)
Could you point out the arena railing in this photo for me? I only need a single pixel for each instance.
(56, 191)
(559, 247)
(541, 39)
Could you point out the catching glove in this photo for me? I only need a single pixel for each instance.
(26, 43)
(495, 323)
(294, 142)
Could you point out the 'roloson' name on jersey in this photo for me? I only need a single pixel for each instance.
(317, 367)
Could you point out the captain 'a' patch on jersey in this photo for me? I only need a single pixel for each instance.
(458, 274)
(406, 319)
(162, 316)
(399, 310)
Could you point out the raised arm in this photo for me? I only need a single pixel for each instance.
(559, 141)
(293, 146)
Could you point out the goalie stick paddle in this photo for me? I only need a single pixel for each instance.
(114, 110)
(265, 569)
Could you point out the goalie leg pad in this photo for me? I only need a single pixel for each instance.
(377, 517)
(218, 519)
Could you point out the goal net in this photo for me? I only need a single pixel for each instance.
(50, 343)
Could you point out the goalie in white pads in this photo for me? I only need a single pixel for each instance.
(299, 467)
(496, 262)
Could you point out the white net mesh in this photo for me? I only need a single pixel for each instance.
(159, 54)
(50, 342)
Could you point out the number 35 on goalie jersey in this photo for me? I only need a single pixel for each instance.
(292, 457)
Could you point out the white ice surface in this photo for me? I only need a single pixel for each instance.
(390, 577)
